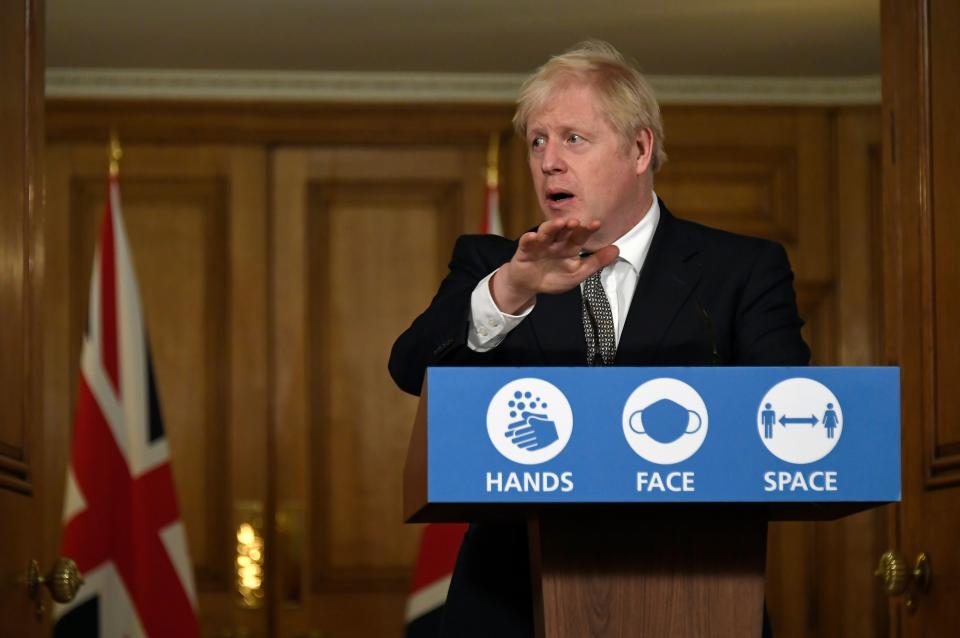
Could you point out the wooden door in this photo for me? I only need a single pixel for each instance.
(921, 109)
(196, 221)
(361, 240)
(22, 490)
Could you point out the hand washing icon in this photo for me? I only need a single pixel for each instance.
(665, 421)
(529, 421)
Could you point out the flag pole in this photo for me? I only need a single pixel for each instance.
(116, 153)
(493, 161)
(491, 222)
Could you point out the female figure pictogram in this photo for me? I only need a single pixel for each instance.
(830, 420)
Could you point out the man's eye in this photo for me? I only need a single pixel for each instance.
(574, 138)
(537, 142)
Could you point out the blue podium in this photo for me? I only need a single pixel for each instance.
(647, 491)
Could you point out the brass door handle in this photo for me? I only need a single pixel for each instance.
(896, 576)
(63, 581)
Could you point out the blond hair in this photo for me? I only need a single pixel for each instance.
(626, 98)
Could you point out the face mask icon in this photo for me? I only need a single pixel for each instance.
(665, 421)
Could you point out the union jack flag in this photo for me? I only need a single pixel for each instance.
(121, 521)
(491, 224)
(439, 546)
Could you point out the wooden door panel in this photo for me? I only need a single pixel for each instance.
(921, 199)
(22, 488)
(362, 237)
(944, 239)
(14, 218)
(937, 531)
(368, 292)
(195, 219)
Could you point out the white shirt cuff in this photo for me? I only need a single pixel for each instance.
(488, 324)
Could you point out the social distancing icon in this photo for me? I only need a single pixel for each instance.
(800, 420)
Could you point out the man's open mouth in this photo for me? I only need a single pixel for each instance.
(559, 196)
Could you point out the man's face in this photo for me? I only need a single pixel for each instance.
(580, 168)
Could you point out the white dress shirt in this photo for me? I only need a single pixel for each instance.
(489, 325)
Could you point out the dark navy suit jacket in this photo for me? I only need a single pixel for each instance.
(704, 297)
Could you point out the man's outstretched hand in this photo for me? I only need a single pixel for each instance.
(548, 260)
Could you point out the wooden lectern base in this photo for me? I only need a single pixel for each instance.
(673, 576)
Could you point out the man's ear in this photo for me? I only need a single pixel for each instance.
(643, 150)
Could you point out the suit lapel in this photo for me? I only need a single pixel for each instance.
(668, 277)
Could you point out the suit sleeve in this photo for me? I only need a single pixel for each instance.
(768, 323)
(439, 335)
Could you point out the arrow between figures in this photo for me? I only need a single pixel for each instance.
(785, 421)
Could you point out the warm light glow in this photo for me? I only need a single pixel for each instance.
(246, 534)
(249, 563)
(249, 570)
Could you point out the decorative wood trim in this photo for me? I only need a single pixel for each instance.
(815, 303)
(13, 476)
(875, 168)
(772, 169)
(928, 328)
(216, 576)
(490, 88)
(301, 123)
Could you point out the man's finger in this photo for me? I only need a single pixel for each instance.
(548, 230)
(603, 257)
(532, 242)
(582, 232)
(563, 235)
(547, 238)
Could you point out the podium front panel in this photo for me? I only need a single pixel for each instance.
(663, 435)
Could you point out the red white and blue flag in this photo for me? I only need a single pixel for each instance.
(121, 521)
(492, 224)
(439, 546)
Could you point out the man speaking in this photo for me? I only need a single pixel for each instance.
(610, 277)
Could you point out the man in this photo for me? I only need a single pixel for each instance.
(609, 278)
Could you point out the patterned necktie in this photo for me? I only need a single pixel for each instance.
(598, 323)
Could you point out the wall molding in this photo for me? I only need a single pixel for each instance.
(299, 86)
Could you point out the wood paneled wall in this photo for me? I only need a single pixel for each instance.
(317, 232)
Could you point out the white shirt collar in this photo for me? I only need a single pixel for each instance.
(635, 243)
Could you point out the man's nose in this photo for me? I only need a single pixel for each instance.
(551, 161)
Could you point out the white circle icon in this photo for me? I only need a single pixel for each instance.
(529, 421)
(665, 421)
(800, 420)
